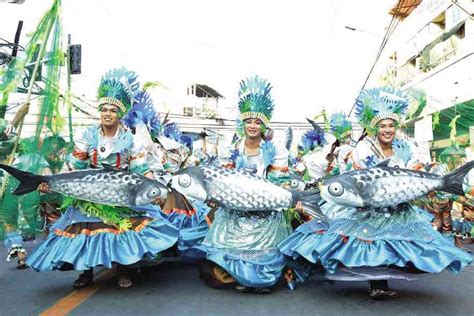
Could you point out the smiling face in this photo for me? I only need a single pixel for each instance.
(109, 116)
(386, 131)
(253, 128)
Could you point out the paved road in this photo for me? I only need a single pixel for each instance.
(173, 288)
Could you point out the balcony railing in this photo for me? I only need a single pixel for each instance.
(409, 72)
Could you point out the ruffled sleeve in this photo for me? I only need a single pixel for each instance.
(278, 171)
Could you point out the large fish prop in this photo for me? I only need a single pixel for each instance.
(383, 186)
(240, 190)
(103, 186)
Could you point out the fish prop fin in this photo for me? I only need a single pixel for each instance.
(429, 167)
(383, 163)
(388, 210)
(310, 200)
(249, 171)
(29, 182)
(212, 161)
(402, 207)
(106, 166)
(454, 180)
(315, 125)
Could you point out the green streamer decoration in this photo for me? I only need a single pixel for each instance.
(44, 46)
(452, 125)
(436, 123)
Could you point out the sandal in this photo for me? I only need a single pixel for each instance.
(85, 279)
(255, 290)
(124, 281)
(21, 265)
(242, 289)
(207, 273)
(379, 294)
(262, 290)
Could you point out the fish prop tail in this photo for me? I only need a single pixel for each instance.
(29, 182)
(310, 200)
(453, 181)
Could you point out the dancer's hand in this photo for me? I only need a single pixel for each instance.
(211, 204)
(159, 201)
(299, 207)
(44, 188)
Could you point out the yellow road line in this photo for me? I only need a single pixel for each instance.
(77, 297)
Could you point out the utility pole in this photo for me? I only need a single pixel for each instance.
(68, 92)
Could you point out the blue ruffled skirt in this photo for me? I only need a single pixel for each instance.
(85, 242)
(189, 217)
(354, 239)
(304, 241)
(14, 244)
(250, 268)
(245, 245)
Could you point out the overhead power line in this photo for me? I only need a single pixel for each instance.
(385, 39)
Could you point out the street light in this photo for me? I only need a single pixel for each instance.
(13, 1)
(358, 30)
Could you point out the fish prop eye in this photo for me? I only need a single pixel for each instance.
(294, 183)
(153, 193)
(184, 180)
(335, 189)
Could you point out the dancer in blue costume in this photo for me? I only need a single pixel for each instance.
(32, 212)
(188, 215)
(80, 241)
(312, 142)
(15, 222)
(167, 150)
(460, 213)
(241, 246)
(377, 246)
(328, 156)
(334, 156)
(447, 209)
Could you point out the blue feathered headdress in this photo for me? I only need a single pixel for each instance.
(377, 104)
(312, 139)
(172, 131)
(118, 87)
(340, 126)
(255, 100)
(143, 111)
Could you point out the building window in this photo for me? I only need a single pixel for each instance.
(461, 33)
(440, 22)
(188, 111)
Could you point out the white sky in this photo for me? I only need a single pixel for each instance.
(301, 47)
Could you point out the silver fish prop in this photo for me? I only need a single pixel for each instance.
(382, 186)
(103, 186)
(240, 190)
